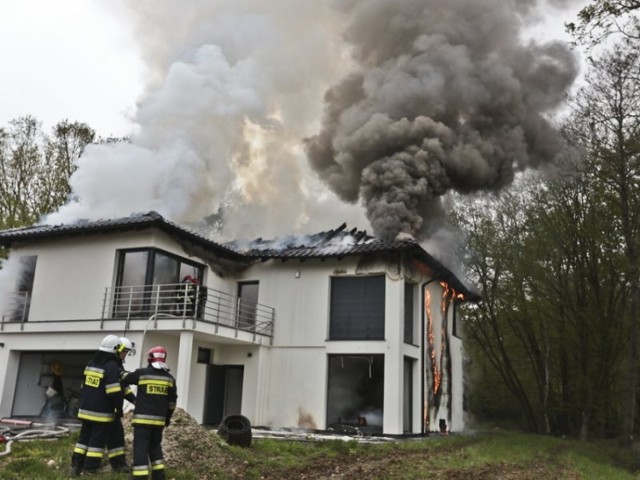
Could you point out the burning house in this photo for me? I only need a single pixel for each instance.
(333, 331)
(370, 111)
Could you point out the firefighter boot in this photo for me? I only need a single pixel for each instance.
(119, 464)
(77, 462)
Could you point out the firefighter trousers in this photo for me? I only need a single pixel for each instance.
(147, 452)
(115, 445)
(87, 454)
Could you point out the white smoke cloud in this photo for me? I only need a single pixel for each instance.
(12, 302)
(234, 87)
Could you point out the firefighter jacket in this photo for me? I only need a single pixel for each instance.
(101, 396)
(127, 391)
(155, 398)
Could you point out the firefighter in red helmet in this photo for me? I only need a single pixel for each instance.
(155, 403)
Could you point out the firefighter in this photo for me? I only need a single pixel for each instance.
(100, 403)
(186, 297)
(115, 434)
(155, 404)
(57, 370)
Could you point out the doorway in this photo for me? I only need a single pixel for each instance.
(356, 392)
(223, 394)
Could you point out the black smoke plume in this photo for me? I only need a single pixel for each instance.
(442, 95)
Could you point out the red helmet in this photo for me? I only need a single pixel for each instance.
(157, 357)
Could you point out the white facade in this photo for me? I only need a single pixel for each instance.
(281, 380)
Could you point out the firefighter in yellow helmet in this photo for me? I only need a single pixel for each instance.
(115, 433)
(57, 370)
(100, 403)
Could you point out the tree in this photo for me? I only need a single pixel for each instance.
(558, 266)
(549, 275)
(495, 238)
(35, 168)
(608, 111)
(63, 148)
(601, 18)
(20, 164)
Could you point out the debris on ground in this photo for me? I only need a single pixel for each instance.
(13, 430)
(187, 445)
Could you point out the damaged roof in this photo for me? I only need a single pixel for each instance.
(341, 242)
(336, 243)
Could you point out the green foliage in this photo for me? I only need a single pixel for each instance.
(35, 168)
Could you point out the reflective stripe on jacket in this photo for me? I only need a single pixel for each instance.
(156, 396)
(101, 396)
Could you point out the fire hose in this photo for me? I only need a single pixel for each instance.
(30, 431)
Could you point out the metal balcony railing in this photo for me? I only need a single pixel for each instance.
(179, 300)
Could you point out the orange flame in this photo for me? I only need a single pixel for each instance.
(431, 344)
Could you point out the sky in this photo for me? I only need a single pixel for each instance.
(235, 109)
(79, 60)
(69, 59)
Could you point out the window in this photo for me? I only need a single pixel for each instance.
(357, 308)
(456, 327)
(408, 312)
(18, 308)
(204, 355)
(247, 304)
(149, 281)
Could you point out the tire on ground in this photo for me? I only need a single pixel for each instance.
(236, 430)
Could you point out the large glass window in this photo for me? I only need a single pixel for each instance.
(357, 308)
(133, 268)
(150, 281)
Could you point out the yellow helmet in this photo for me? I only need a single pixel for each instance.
(56, 368)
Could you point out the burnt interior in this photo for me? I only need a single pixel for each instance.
(355, 393)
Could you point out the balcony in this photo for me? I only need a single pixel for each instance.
(179, 305)
(193, 302)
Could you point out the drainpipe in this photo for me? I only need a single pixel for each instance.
(153, 318)
(423, 359)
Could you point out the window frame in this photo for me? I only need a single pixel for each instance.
(246, 314)
(376, 324)
(409, 319)
(149, 274)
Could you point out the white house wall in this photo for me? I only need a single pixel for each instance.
(70, 278)
(457, 387)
